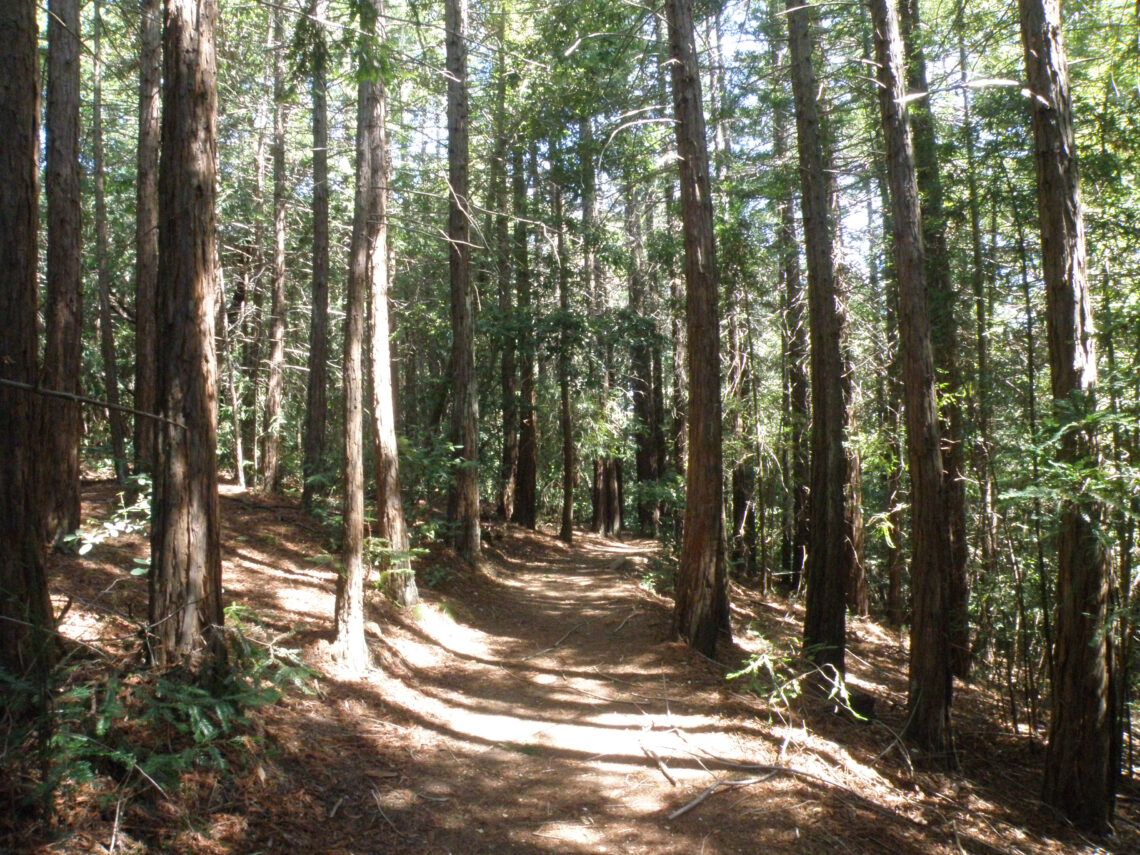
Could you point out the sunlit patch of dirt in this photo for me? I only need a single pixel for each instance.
(537, 704)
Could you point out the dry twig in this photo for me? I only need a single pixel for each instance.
(652, 755)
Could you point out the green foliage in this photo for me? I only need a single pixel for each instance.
(129, 729)
(127, 518)
(770, 674)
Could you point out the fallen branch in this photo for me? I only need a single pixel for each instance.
(632, 614)
(379, 807)
(565, 636)
(660, 764)
(719, 785)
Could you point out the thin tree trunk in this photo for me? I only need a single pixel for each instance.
(316, 396)
(275, 378)
(893, 394)
(231, 380)
(795, 334)
(983, 470)
(350, 646)
(463, 502)
(526, 474)
(399, 581)
(186, 567)
(1080, 777)
(508, 373)
(63, 331)
(565, 414)
(701, 611)
(827, 567)
(931, 679)
(146, 227)
(106, 328)
(641, 373)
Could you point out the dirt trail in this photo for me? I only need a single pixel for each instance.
(536, 706)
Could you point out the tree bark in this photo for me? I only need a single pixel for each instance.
(827, 566)
(931, 680)
(1080, 777)
(983, 470)
(350, 647)
(526, 473)
(399, 582)
(701, 611)
(275, 376)
(641, 372)
(565, 414)
(146, 227)
(106, 327)
(63, 332)
(943, 329)
(26, 618)
(186, 567)
(463, 502)
(795, 333)
(316, 396)
(508, 370)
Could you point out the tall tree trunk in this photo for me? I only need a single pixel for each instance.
(508, 371)
(893, 395)
(316, 396)
(186, 565)
(701, 611)
(399, 581)
(350, 646)
(795, 333)
(526, 474)
(463, 502)
(231, 377)
(858, 595)
(1080, 778)
(63, 333)
(26, 618)
(983, 470)
(565, 414)
(106, 328)
(931, 680)
(606, 507)
(146, 227)
(828, 559)
(275, 378)
(641, 372)
(943, 329)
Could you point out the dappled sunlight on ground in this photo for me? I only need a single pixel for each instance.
(538, 705)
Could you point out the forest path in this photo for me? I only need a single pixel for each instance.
(535, 705)
(538, 705)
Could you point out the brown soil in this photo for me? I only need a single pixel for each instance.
(536, 705)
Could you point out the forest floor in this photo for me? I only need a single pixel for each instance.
(537, 705)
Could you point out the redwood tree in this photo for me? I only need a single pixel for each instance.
(146, 226)
(349, 646)
(701, 610)
(1080, 776)
(186, 565)
(463, 501)
(63, 345)
(391, 527)
(943, 328)
(25, 610)
(275, 377)
(931, 682)
(316, 391)
(828, 558)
